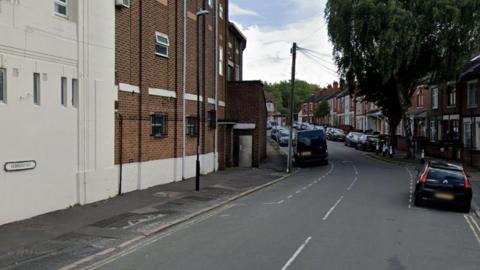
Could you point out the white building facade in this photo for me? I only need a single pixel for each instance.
(57, 99)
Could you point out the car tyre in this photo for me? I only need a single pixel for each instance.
(418, 201)
(466, 208)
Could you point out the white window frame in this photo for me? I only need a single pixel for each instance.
(37, 86)
(467, 136)
(469, 97)
(220, 10)
(452, 96)
(210, 3)
(63, 91)
(434, 97)
(161, 43)
(3, 89)
(62, 3)
(220, 61)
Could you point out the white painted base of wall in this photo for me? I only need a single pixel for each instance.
(138, 176)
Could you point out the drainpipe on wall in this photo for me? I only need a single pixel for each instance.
(184, 75)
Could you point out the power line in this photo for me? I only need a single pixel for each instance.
(312, 58)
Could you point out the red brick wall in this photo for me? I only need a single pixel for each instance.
(148, 70)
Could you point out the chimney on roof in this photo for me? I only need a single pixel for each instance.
(335, 85)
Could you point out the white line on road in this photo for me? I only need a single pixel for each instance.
(353, 183)
(333, 208)
(280, 202)
(297, 252)
(355, 168)
(298, 191)
(289, 196)
(472, 228)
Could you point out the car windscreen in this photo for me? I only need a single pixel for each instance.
(311, 138)
(441, 176)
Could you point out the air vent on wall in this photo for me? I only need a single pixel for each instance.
(122, 3)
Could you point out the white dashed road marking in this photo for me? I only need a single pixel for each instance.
(333, 208)
(297, 252)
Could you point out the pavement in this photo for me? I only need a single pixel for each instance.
(72, 237)
(355, 213)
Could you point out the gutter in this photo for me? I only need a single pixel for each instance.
(184, 75)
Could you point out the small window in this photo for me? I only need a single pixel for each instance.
(36, 88)
(220, 61)
(237, 72)
(159, 125)
(61, 8)
(212, 119)
(161, 44)
(210, 3)
(192, 126)
(452, 96)
(75, 96)
(435, 98)
(220, 11)
(3, 85)
(63, 91)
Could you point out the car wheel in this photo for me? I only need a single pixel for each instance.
(418, 201)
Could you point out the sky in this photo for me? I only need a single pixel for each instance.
(271, 27)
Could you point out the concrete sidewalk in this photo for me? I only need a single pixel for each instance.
(67, 237)
(400, 158)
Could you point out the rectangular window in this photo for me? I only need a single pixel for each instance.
(467, 133)
(452, 96)
(3, 85)
(75, 93)
(212, 119)
(63, 91)
(210, 3)
(192, 126)
(220, 11)
(36, 88)
(61, 8)
(455, 129)
(161, 44)
(159, 125)
(433, 131)
(237, 72)
(472, 95)
(220, 61)
(435, 98)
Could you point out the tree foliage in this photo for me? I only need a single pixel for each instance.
(281, 92)
(322, 109)
(385, 47)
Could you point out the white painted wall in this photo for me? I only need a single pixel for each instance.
(73, 147)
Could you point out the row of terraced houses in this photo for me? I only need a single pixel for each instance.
(99, 98)
(445, 116)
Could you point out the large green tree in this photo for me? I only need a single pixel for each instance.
(322, 109)
(281, 92)
(384, 48)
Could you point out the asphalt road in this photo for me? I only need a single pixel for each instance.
(354, 213)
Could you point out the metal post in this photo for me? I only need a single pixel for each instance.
(292, 108)
(472, 127)
(197, 167)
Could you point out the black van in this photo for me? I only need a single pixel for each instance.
(310, 146)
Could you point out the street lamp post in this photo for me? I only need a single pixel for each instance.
(200, 13)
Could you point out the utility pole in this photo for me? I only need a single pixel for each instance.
(292, 108)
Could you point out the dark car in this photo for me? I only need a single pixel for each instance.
(310, 146)
(335, 134)
(352, 139)
(444, 183)
(368, 142)
(274, 132)
(283, 137)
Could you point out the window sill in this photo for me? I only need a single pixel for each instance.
(451, 106)
(158, 136)
(472, 107)
(64, 16)
(162, 55)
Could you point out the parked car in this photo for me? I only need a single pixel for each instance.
(335, 134)
(444, 183)
(367, 142)
(283, 137)
(273, 133)
(352, 139)
(269, 126)
(310, 146)
(306, 126)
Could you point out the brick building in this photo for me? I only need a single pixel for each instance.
(155, 141)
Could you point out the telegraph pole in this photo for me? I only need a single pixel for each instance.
(292, 108)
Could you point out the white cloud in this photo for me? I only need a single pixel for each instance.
(235, 10)
(267, 56)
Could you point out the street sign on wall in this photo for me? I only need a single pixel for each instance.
(20, 165)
